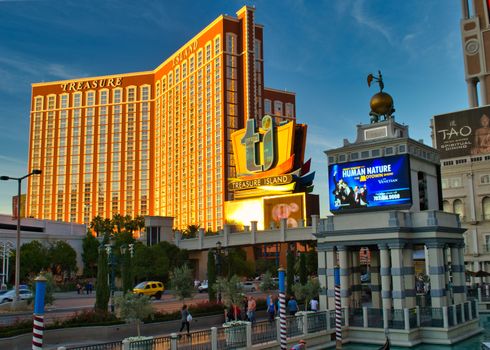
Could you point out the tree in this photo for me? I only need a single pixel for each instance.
(191, 231)
(211, 276)
(90, 254)
(63, 258)
(308, 291)
(236, 263)
(231, 290)
(102, 294)
(303, 274)
(267, 283)
(312, 261)
(33, 259)
(182, 282)
(102, 228)
(134, 308)
(290, 272)
(126, 271)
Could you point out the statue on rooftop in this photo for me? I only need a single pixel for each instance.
(381, 103)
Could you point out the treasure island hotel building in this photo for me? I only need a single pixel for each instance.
(155, 142)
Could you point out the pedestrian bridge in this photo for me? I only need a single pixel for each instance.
(249, 236)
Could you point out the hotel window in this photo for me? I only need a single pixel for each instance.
(257, 49)
(458, 208)
(208, 51)
(184, 70)
(231, 43)
(445, 184)
(191, 64)
(217, 45)
(267, 106)
(486, 208)
(199, 58)
(485, 179)
(446, 206)
(277, 108)
(177, 75)
(455, 182)
(289, 110)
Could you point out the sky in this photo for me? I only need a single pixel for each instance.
(322, 50)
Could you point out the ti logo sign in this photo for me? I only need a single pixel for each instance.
(252, 143)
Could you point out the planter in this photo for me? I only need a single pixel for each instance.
(235, 333)
(138, 343)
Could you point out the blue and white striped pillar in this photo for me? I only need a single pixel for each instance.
(38, 319)
(338, 309)
(282, 307)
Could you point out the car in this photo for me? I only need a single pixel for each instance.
(9, 295)
(203, 287)
(249, 286)
(150, 288)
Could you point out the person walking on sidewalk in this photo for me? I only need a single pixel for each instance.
(251, 307)
(184, 313)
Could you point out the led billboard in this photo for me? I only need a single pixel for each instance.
(463, 133)
(370, 184)
(290, 207)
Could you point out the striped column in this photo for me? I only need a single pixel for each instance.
(457, 267)
(398, 281)
(330, 265)
(282, 309)
(375, 279)
(338, 310)
(38, 320)
(345, 280)
(322, 278)
(356, 278)
(409, 275)
(437, 274)
(385, 272)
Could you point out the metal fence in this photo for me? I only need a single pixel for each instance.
(198, 340)
(396, 319)
(263, 332)
(294, 325)
(375, 318)
(356, 317)
(115, 345)
(412, 317)
(431, 316)
(317, 322)
(232, 337)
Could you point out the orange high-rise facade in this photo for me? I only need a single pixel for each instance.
(155, 142)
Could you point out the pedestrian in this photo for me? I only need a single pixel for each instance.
(79, 288)
(300, 346)
(251, 307)
(87, 287)
(271, 309)
(292, 306)
(314, 304)
(185, 319)
(245, 306)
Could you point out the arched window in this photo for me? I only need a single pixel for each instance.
(486, 208)
(446, 206)
(459, 208)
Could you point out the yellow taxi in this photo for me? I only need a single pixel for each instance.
(150, 288)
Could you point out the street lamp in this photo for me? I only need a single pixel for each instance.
(17, 253)
(126, 266)
(218, 267)
(110, 262)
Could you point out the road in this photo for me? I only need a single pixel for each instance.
(68, 304)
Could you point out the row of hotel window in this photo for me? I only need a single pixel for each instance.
(457, 207)
(456, 181)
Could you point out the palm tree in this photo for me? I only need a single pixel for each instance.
(101, 227)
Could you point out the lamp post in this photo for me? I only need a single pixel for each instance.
(17, 252)
(110, 261)
(126, 266)
(218, 267)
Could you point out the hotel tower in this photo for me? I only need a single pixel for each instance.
(155, 142)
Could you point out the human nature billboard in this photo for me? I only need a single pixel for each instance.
(463, 133)
(370, 184)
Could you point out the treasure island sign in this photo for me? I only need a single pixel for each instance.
(269, 159)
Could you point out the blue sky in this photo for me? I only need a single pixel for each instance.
(322, 50)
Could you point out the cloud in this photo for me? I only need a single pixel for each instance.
(360, 14)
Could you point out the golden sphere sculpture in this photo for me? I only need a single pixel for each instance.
(382, 104)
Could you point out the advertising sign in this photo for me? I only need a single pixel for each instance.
(463, 133)
(289, 207)
(370, 184)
